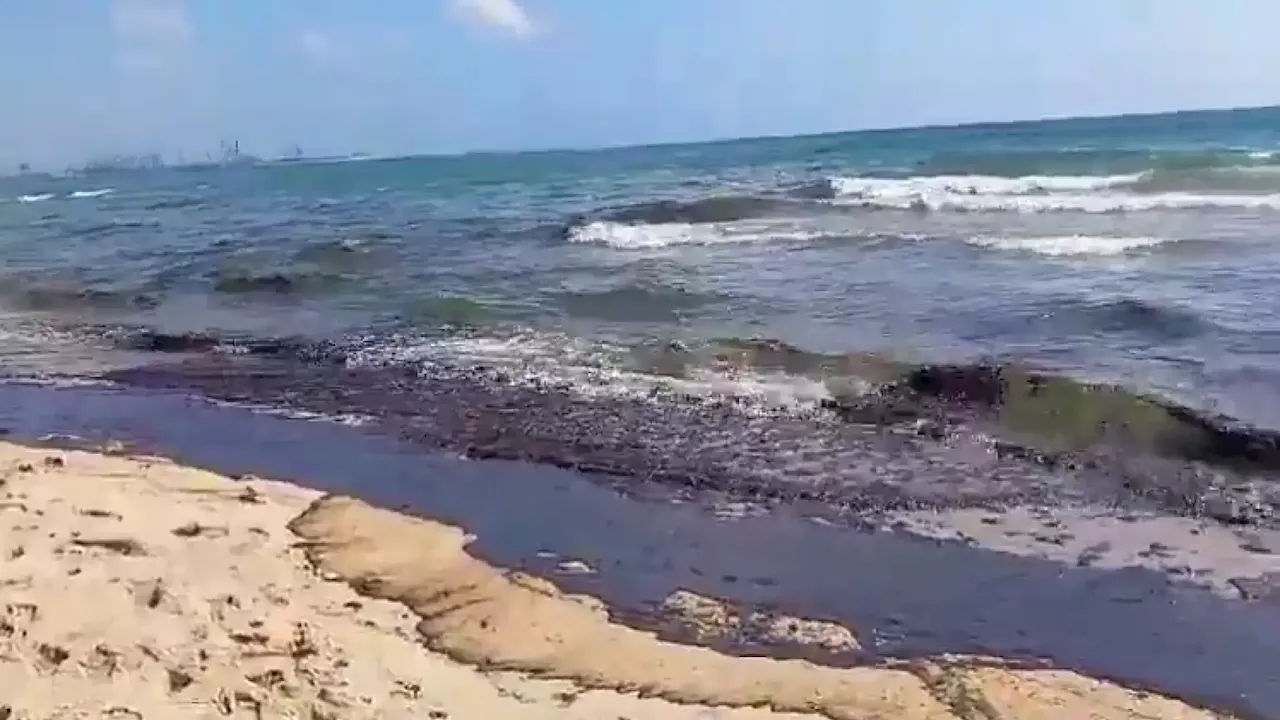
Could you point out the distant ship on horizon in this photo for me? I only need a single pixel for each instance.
(296, 155)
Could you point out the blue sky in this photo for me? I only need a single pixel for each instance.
(85, 77)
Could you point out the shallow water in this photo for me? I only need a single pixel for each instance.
(792, 326)
(905, 595)
(1134, 249)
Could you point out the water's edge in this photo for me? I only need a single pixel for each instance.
(1131, 625)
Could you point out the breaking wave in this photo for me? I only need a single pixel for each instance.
(625, 236)
(1069, 245)
(886, 188)
(91, 193)
(707, 221)
(1088, 160)
(787, 212)
(1249, 186)
(1090, 203)
(31, 198)
(1085, 194)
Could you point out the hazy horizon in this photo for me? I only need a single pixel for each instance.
(196, 156)
(453, 76)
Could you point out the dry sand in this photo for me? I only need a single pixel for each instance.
(137, 588)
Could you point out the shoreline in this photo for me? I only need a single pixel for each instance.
(238, 599)
(1137, 626)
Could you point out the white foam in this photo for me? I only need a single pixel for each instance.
(593, 369)
(648, 236)
(771, 389)
(40, 197)
(1030, 194)
(1075, 202)
(1068, 245)
(886, 188)
(58, 381)
(91, 193)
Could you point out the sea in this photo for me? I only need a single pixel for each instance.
(1055, 316)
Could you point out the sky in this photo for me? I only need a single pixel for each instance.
(85, 78)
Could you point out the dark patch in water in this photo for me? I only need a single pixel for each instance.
(103, 230)
(879, 458)
(1079, 415)
(56, 298)
(175, 203)
(1056, 413)
(343, 255)
(169, 343)
(911, 596)
(242, 282)
(638, 302)
(764, 354)
(707, 210)
(73, 289)
(447, 311)
(1123, 316)
(140, 339)
(689, 444)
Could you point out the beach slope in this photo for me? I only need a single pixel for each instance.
(135, 587)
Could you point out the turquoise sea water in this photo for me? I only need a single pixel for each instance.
(1132, 249)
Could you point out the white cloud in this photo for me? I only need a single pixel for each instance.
(506, 15)
(149, 34)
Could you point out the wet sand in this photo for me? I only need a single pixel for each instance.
(136, 588)
(220, 597)
(1231, 561)
(906, 596)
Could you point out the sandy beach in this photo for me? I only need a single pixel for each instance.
(139, 588)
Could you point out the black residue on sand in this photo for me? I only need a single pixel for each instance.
(904, 595)
(922, 440)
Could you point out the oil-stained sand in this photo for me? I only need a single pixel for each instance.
(478, 615)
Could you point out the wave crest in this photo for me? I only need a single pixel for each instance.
(624, 236)
(1036, 194)
(1069, 245)
(887, 188)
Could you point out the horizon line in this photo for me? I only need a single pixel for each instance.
(727, 140)
(869, 130)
